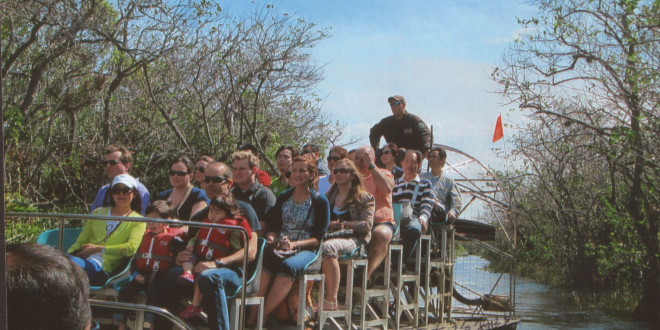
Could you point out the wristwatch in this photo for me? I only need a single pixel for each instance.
(218, 263)
(372, 166)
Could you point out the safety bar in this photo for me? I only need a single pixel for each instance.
(146, 308)
(64, 217)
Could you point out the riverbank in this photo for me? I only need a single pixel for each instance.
(545, 307)
(542, 306)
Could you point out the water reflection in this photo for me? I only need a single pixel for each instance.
(537, 305)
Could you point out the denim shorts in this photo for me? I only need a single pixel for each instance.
(390, 224)
(290, 267)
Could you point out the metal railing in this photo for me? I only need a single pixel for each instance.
(145, 308)
(64, 217)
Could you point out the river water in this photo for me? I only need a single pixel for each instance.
(539, 306)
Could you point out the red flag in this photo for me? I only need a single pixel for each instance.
(499, 130)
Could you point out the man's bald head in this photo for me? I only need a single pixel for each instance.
(217, 169)
(364, 156)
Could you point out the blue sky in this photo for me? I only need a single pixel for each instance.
(437, 54)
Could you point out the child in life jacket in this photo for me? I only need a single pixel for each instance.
(212, 244)
(154, 258)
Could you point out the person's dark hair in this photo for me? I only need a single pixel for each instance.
(442, 153)
(343, 153)
(249, 147)
(45, 290)
(420, 157)
(393, 147)
(395, 153)
(399, 157)
(294, 151)
(136, 202)
(190, 166)
(314, 147)
(161, 207)
(226, 203)
(311, 168)
(125, 154)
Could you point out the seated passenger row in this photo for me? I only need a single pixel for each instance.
(357, 211)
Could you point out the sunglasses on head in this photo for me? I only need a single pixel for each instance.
(111, 162)
(341, 170)
(179, 173)
(216, 179)
(117, 190)
(333, 158)
(201, 169)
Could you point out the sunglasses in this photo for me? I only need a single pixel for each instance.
(117, 190)
(201, 169)
(333, 158)
(179, 173)
(396, 103)
(216, 179)
(386, 151)
(341, 170)
(111, 162)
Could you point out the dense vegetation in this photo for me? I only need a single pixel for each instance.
(585, 73)
(166, 79)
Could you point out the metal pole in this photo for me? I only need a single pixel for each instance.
(59, 243)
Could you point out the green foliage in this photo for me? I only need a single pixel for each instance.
(14, 202)
(586, 200)
(167, 80)
(19, 230)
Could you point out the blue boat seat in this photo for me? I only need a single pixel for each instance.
(52, 237)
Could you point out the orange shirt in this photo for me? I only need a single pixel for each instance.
(383, 211)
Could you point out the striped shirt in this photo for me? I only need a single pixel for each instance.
(447, 194)
(403, 192)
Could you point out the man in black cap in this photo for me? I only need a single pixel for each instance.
(403, 128)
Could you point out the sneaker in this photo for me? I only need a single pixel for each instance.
(186, 279)
(190, 312)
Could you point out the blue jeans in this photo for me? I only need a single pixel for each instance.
(94, 271)
(291, 267)
(215, 285)
(410, 234)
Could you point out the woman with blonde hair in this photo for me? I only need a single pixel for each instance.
(296, 227)
(351, 219)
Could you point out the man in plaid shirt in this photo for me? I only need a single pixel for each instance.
(422, 201)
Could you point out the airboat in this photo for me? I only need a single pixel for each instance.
(463, 275)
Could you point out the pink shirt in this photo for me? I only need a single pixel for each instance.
(383, 211)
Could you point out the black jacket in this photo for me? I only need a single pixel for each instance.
(409, 132)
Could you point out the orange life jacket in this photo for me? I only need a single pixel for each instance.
(214, 243)
(154, 252)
